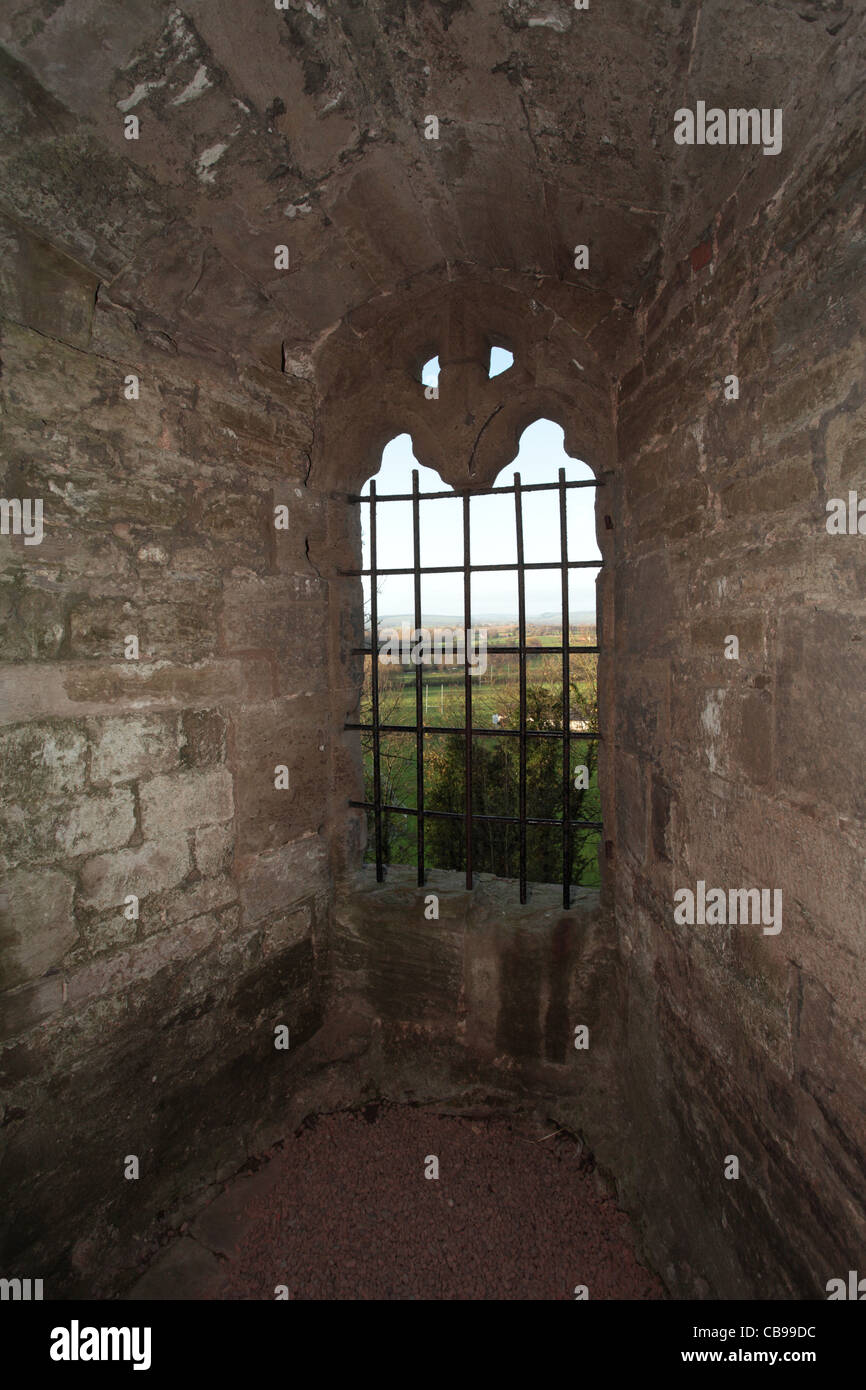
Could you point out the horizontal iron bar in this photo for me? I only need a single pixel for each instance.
(474, 491)
(480, 733)
(476, 569)
(491, 651)
(458, 815)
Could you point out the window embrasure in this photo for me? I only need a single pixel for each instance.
(479, 717)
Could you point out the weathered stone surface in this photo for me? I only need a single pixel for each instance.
(203, 734)
(128, 748)
(140, 962)
(65, 830)
(36, 922)
(103, 934)
(214, 845)
(411, 967)
(27, 1007)
(282, 932)
(751, 777)
(182, 800)
(43, 760)
(287, 618)
(156, 865)
(43, 288)
(100, 821)
(818, 721)
(288, 734)
(180, 904)
(71, 689)
(274, 880)
(259, 386)
(184, 1271)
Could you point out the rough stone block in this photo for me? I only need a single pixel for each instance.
(811, 390)
(150, 868)
(99, 626)
(846, 451)
(203, 738)
(107, 933)
(298, 635)
(643, 707)
(179, 630)
(409, 967)
(180, 801)
(102, 821)
(213, 849)
(774, 487)
(42, 760)
(32, 621)
(752, 740)
(128, 748)
(179, 905)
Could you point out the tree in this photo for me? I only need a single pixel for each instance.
(495, 784)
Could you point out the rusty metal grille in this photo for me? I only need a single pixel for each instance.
(567, 825)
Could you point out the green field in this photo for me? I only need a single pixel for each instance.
(495, 763)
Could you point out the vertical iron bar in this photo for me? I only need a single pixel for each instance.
(374, 685)
(419, 678)
(521, 642)
(467, 687)
(566, 698)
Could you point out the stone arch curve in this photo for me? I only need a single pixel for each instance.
(369, 391)
(368, 372)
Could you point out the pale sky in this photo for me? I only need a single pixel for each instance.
(541, 454)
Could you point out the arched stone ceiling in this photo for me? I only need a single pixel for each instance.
(304, 126)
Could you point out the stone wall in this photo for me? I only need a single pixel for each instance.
(263, 385)
(742, 772)
(479, 1002)
(154, 777)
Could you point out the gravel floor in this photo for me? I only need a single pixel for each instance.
(344, 1211)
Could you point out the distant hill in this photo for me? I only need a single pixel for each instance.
(456, 620)
(580, 617)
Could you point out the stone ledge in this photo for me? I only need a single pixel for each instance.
(35, 690)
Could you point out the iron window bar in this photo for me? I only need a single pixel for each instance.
(477, 569)
(467, 686)
(476, 815)
(477, 491)
(496, 650)
(576, 734)
(566, 824)
(419, 675)
(521, 678)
